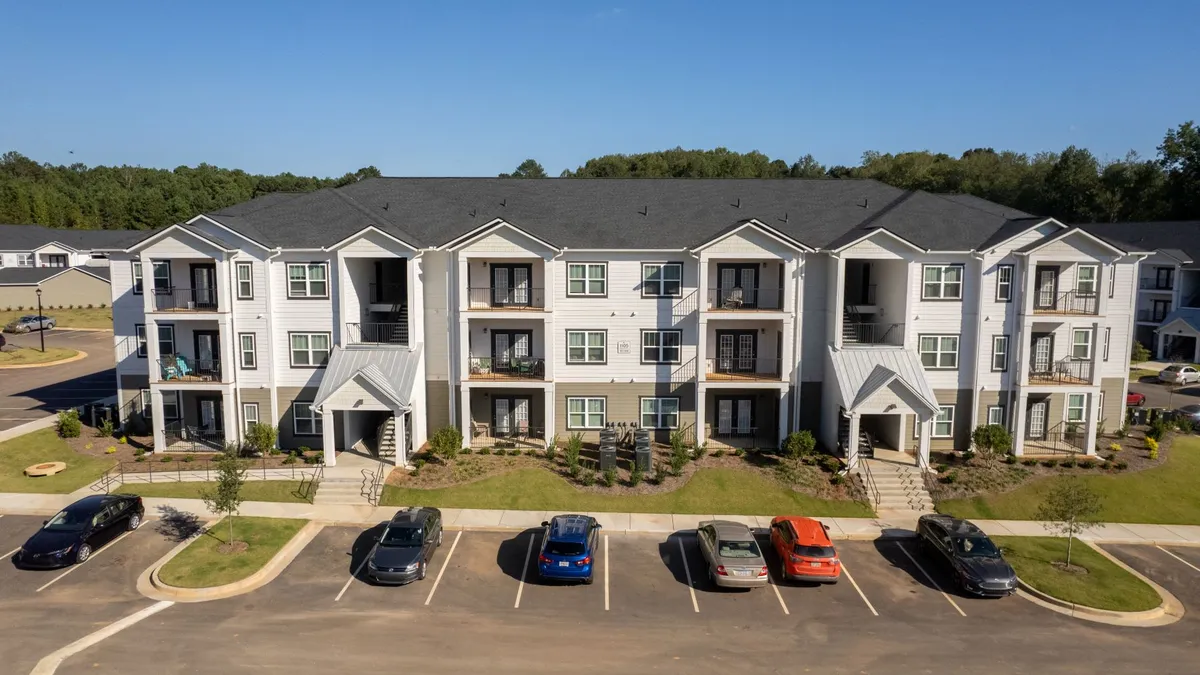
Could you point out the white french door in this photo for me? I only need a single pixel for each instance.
(724, 416)
(1037, 420)
(1047, 283)
(735, 416)
(511, 415)
(501, 289)
(1041, 354)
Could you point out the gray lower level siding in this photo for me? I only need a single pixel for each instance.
(623, 404)
(437, 405)
(287, 436)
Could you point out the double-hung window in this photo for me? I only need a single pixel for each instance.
(586, 412)
(308, 280)
(305, 420)
(1085, 280)
(1112, 281)
(587, 279)
(995, 415)
(660, 280)
(942, 282)
(162, 276)
(587, 346)
(166, 340)
(939, 351)
(245, 281)
(999, 353)
(943, 424)
(24, 260)
(1107, 340)
(1004, 275)
(246, 346)
(171, 405)
(661, 346)
(249, 415)
(309, 349)
(1081, 344)
(660, 413)
(137, 278)
(1076, 407)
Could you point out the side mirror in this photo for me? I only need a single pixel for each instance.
(545, 523)
(45, 523)
(825, 526)
(596, 526)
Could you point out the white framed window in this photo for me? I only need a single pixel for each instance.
(661, 280)
(306, 421)
(660, 413)
(1081, 343)
(247, 350)
(249, 415)
(24, 260)
(1004, 275)
(1112, 280)
(1076, 407)
(999, 353)
(939, 352)
(587, 279)
(308, 280)
(586, 412)
(146, 401)
(137, 278)
(162, 275)
(1085, 280)
(166, 340)
(587, 346)
(245, 281)
(1100, 407)
(1107, 340)
(139, 333)
(942, 282)
(171, 407)
(662, 346)
(309, 349)
(995, 415)
(943, 424)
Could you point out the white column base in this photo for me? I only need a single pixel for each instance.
(329, 443)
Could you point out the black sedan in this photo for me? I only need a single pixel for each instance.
(975, 560)
(75, 532)
(402, 552)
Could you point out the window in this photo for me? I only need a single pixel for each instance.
(56, 260)
(307, 280)
(943, 424)
(1107, 339)
(586, 413)
(137, 278)
(1164, 278)
(24, 260)
(309, 349)
(246, 344)
(1081, 343)
(662, 280)
(245, 282)
(660, 413)
(249, 415)
(305, 420)
(1085, 282)
(1004, 283)
(661, 346)
(587, 279)
(1112, 280)
(170, 405)
(995, 415)
(1100, 408)
(162, 275)
(1076, 407)
(146, 401)
(587, 346)
(999, 353)
(939, 351)
(942, 282)
(166, 340)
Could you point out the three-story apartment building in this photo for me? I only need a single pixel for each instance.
(734, 311)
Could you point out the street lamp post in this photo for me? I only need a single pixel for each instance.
(41, 326)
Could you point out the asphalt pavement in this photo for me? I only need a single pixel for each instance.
(1158, 396)
(27, 394)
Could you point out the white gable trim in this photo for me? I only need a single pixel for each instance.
(176, 229)
(1075, 231)
(1180, 326)
(875, 232)
(1047, 221)
(58, 244)
(362, 377)
(365, 230)
(488, 228)
(229, 230)
(761, 227)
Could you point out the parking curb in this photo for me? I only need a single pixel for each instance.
(152, 586)
(79, 356)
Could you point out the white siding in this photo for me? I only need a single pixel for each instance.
(749, 243)
(945, 317)
(436, 293)
(127, 311)
(504, 240)
(813, 340)
(301, 315)
(252, 316)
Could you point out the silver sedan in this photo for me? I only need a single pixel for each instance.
(733, 556)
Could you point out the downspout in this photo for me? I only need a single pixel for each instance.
(452, 348)
(271, 341)
(979, 342)
(235, 341)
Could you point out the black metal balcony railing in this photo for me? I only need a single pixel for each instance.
(1066, 371)
(506, 297)
(390, 294)
(1068, 438)
(738, 368)
(175, 299)
(1151, 315)
(377, 333)
(507, 437)
(743, 299)
(872, 333)
(181, 437)
(184, 369)
(512, 368)
(733, 436)
(1071, 302)
(1155, 284)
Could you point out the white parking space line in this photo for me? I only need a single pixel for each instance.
(1178, 558)
(935, 584)
(5, 556)
(687, 571)
(860, 591)
(353, 577)
(92, 557)
(442, 571)
(524, 571)
(50, 663)
(606, 572)
(778, 595)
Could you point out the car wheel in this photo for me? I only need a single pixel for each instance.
(783, 575)
(84, 552)
(421, 571)
(587, 581)
(439, 538)
(134, 521)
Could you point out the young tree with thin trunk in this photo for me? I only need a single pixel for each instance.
(225, 498)
(1069, 510)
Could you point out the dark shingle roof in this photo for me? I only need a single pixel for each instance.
(23, 276)
(30, 237)
(1179, 235)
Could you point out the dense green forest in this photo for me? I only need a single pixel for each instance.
(1072, 185)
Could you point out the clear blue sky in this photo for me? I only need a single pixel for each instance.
(472, 88)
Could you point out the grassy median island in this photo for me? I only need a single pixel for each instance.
(45, 446)
(29, 356)
(253, 491)
(204, 564)
(80, 317)
(1104, 585)
(709, 491)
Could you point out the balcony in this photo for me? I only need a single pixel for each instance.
(1151, 316)
(486, 368)
(182, 369)
(518, 436)
(739, 299)
(872, 334)
(743, 369)
(377, 334)
(185, 438)
(1149, 284)
(506, 298)
(175, 299)
(1069, 303)
(1066, 371)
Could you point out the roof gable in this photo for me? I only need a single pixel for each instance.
(1067, 234)
(495, 226)
(178, 231)
(757, 226)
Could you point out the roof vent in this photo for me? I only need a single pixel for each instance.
(645, 210)
(504, 202)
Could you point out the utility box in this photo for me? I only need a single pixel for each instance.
(641, 449)
(608, 449)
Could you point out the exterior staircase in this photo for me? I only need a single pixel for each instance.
(900, 487)
(351, 482)
(385, 438)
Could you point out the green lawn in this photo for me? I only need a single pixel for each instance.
(252, 491)
(26, 356)
(1105, 586)
(201, 565)
(46, 446)
(712, 491)
(66, 318)
(1165, 495)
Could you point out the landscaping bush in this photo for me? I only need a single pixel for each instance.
(317, 458)
(1068, 463)
(942, 467)
(660, 473)
(679, 457)
(1115, 447)
(1122, 431)
(740, 452)
(574, 469)
(636, 475)
(165, 459)
(138, 452)
(948, 478)
(446, 443)
(610, 477)
(139, 458)
(417, 466)
(1158, 429)
(1029, 462)
(718, 453)
(1049, 463)
(485, 451)
(830, 464)
(798, 444)
(1152, 446)
(531, 452)
(1185, 425)
(290, 459)
(514, 452)
(106, 429)
(1010, 459)
(69, 425)
(1121, 465)
(574, 448)
(465, 451)
(110, 450)
(968, 455)
(588, 478)
(187, 459)
(1087, 464)
(699, 452)
(1138, 354)
(262, 437)
(837, 479)
(551, 449)
(991, 438)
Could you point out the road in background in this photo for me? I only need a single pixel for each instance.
(27, 394)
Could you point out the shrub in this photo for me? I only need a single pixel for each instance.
(514, 452)
(1010, 459)
(106, 429)
(718, 453)
(1106, 465)
(700, 451)
(138, 452)
(609, 477)
(165, 459)
(678, 460)
(1158, 429)
(1049, 463)
(660, 473)
(991, 438)
(1029, 462)
(417, 466)
(948, 478)
(1185, 425)
(1154, 453)
(532, 452)
(139, 458)
(635, 475)
(303, 450)
(112, 449)
(1121, 465)
(798, 444)
(123, 440)
(104, 305)
(262, 437)
(1115, 447)
(90, 306)
(1122, 431)
(968, 455)
(740, 452)
(465, 451)
(574, 447)
(830, 464)
(942, 467)
(1138, 354)
(588, 477)
(1151, 445)
(446, 443)
(1087, 464)
(274, 452)
(1068, 463)
(485, 451)
(837, 479)
(574, 470)
(314, 459)
(187, 459)
(290, 459)
(87, 446)
(69, 425)
(551, 450)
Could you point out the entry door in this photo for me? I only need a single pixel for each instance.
(1037, 420)
(1047, 287)
(510, 285)
(509, 349)
(204, 285)
(737, 284)
(208, 350)
(736, 351)
(510, 415)
(1043, 349)
(735, 416)
(210, 414)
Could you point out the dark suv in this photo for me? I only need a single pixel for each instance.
(401, 554)
(569, 548)
(975, 561)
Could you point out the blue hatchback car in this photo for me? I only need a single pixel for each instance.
(568, 548)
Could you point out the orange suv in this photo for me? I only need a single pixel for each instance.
(805, 552)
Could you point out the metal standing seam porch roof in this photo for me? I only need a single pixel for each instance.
(861, 373)
(392, 370)
(1188, 315)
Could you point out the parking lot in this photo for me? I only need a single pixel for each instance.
(28, 394)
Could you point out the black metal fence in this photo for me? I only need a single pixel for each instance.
(1066, 371)
(511, 368)
(175, 299)
(873, 333)
(738, 298)
(743, 368)
(377, 333)
(506, 297)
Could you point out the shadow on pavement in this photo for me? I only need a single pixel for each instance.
(512, 553)
(177, 525)
(361, 548)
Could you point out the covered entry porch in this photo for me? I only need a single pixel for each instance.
(508, 416)
(1179, 336)
(193, 419)
(743, 418)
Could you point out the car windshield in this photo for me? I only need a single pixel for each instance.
(70, 519)
(976, 547)
(564, 547)
(1191, 409)
(1173, 369)
(401, 536)
(814, 551)
(29, 318)
(737, 549)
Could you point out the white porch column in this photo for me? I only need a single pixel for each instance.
(464, 414)
(784, 406)
(1018, 424)
(902, 443)
(1162, 346)
(328, 442)
(232, 417)
(401, 448)
(159, 426)
(1093, 422)
(548, 413)
(1196, 354)
(852, 442)
(152, 354)
(926, 434)
(701, 431)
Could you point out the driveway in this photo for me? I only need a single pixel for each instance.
(28, 394)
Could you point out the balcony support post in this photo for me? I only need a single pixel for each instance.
(158, 423)
(1018, 423)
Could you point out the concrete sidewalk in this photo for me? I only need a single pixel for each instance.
(887, 525)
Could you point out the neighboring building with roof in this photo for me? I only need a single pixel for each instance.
(68, 265)
(735, 311)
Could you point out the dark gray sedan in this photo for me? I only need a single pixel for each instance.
(733, 556)
(402, 552)
(30, 322)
